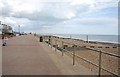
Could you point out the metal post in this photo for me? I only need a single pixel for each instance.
(55, 44)
(48, 40)
(119, 66)
(74, 56)
(51, 42)
(100, 55)
(62, 50)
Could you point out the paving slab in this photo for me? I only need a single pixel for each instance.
(24, 56)
(0, 57)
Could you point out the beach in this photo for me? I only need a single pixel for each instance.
(26, 55)
(70, 45)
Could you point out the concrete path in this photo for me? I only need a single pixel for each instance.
(0, 57)
(25, 55)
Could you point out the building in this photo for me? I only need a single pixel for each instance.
(0, 30)
(6, 29)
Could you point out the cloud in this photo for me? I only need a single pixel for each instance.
(97, 21)
(51, 11)
(5, 9)
(39, 15)
(8, 21)
(101, 25)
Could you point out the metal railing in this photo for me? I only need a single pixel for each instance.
(74, 54)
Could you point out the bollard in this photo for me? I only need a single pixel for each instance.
(41, 39)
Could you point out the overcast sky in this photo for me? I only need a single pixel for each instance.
(61, 16)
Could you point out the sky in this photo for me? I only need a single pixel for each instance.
(61, 16)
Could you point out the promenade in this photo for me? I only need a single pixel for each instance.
(25, 55)
(0, 57)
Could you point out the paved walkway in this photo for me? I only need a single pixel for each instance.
(25, 55)
(0, 57)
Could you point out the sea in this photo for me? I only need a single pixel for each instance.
(95, 38)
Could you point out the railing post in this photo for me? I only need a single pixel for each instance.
(48, 40)
(100, 56)
(55, 44)
(73, 55)
(62, 50)
(51, 41)
(119, 66)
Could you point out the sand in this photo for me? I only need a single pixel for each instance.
(108, 62)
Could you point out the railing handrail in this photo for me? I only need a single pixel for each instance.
(97, 50)
(111, 54)
(93, 64)
(108, 53)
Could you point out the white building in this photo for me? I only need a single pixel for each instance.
(6, 29)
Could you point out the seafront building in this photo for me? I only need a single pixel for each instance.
(5, 29)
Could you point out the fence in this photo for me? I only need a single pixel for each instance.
(62, 45)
